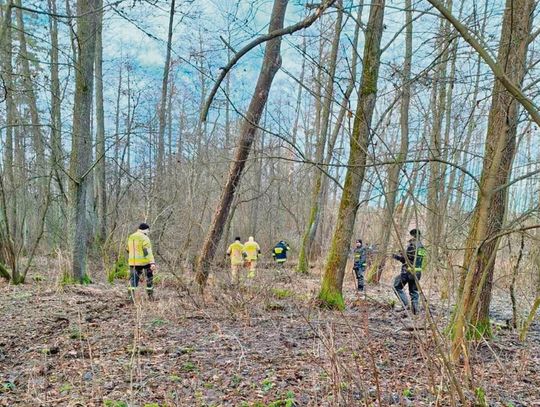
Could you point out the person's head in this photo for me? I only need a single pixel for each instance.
(358, 242)
(237, 238)
(251, 239)
(415, 233)
(144, 228)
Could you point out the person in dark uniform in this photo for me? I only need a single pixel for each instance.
(412, 266)
(359, 263)
(279, 252)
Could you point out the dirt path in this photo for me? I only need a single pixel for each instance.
(268, 343)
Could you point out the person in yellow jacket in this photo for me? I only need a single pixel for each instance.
(236, 253)
(252, 250)
(141, 259)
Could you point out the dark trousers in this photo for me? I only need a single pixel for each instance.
(359, 270)
(135, 273)
(406, 278)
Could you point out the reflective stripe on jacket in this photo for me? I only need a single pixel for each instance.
(280, 252)
(359, 256)
(140, 249)
(416, 256)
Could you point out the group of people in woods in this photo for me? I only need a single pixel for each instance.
(245, 255)
(412, 260)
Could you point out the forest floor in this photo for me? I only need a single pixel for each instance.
(266, 344)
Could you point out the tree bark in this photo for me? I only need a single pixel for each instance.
(164, 89)
(334, 270)
(270, 65)
(11, 117)
(395, 169)
(30, 94)
(471, 316)
(81, 153)
(316, 194)
(100, 132)
(57, 159)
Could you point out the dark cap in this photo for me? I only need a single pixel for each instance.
(237, 238)
(143, 226)
(415, 233)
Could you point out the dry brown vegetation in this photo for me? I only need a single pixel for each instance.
(265, 343)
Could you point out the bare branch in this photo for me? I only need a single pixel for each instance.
(497, 70)
(257, 41)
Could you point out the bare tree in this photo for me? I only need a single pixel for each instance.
(101, 198)
(270, 65)
(334, 269)
(317, 192)
(471, 316)
(81, 152)
(395, 169)
(164, 89)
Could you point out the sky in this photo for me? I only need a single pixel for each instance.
(135, 35)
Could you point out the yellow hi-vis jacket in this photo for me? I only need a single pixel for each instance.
(236, 251)
(252, 249)
(140, 249)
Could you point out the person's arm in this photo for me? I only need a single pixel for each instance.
(147, 251)
(229, 251)
(399, 257)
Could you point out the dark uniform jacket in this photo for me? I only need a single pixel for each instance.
(360, 257)
(416, 254)
(280, 252)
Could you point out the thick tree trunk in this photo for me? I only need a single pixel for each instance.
(8, 187)
(11, 117)
(334, 270)
(81, 153)
(270, 65)
(471, 316)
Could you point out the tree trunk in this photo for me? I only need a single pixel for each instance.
(11, 117)
(334, 270)
(30, 94)
(57, 159)
(471, 316)
(395, 169)
(100, 133)
(316, 195)
(436, 172)
(270, 65)
(81, 153)
(164, 89)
